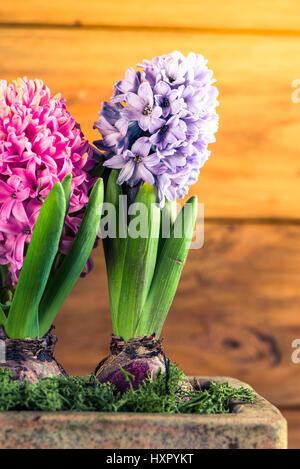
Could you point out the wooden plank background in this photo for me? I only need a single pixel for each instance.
(240, 293)
(255, 167)
(270, 15)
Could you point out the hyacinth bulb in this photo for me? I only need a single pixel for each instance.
(140, 358)
(31, 359)
(40, 143)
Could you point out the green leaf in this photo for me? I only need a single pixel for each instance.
(22, 319)
(66, 185)
(73, 264)
(139, 264)
(115, 246)
(98, 170)
(6, 290)
(3, 274)
(168, 217)
(2, 318)
(168, 271)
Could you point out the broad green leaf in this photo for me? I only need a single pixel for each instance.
(22, 319)
(139, 264)
(2, 318)
(66, 185)
(115, 245)
(73, 264)
(168, 271)
(168, 217)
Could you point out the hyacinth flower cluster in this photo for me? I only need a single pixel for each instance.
(40, 143)
(155, 134)
(159, 123)
(49, 206)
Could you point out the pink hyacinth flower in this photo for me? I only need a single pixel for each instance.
(40, 143)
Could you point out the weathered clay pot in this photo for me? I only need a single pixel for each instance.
(249, 426)
(140, 356)
(31, 359)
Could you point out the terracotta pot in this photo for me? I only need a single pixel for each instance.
(255, 426)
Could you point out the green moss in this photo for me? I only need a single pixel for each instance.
(164, 394)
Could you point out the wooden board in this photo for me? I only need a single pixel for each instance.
(255, 15)
(236, 311)
(255, 166)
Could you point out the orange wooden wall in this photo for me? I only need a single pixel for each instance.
(237, 308)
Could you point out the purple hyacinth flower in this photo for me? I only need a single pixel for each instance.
(130, 83)
(174, 69)
(171, 104)
(162, 184)
(171, 68)
(167, 99)
(167, 133)
(113, 135)
(173, 158)
(113, 128)
(136, 164)
(111, 112)
(199, 74)
(140, 106)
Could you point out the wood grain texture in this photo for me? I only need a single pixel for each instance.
(254, 170)
(236, 14)
(236, 311)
